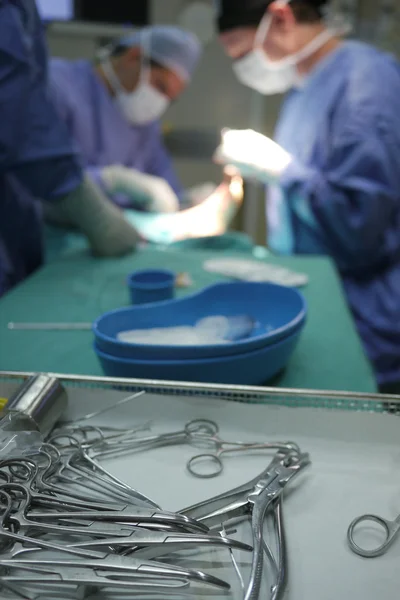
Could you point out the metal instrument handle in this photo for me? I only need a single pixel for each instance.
(212, 459)
(390, 528)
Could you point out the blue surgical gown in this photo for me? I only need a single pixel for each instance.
(102, 134)
(341, 194)
(37, 158)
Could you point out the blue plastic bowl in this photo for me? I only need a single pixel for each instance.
(251, 368)
(151, 285)
(279, 311)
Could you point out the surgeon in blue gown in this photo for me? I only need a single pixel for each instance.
(37, 159)
(333, 171)
(112, 108)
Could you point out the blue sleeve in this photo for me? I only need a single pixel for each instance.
(59, 82)
(355, 199)
(159, 162)
(59, 77)
(14, 85)
(34, 144)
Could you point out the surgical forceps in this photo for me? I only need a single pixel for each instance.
(256, 499)
(136, 574)
(390, 528)
(24, 518)
(93, 567)
(26, 477)
(220, 447)
(195, 429)
(26, 471)
(114, 528)
(200, 433)
(80, 465)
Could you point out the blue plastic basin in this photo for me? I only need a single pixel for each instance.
(251, 368)
(279, 311)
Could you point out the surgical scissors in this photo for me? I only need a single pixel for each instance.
(221, 447)
(390, 528)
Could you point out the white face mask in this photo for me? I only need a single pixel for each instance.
(144, 105)
(269, 77)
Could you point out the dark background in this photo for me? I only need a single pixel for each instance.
(123, 12)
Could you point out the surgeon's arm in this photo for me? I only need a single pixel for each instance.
(34, 144)
(14, 86)
(86, 208)
(353, 200)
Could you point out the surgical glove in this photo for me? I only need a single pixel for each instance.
(210, 218)
(154, 194)
(87, 209)
(253, 155)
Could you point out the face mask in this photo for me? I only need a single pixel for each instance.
(254, 71)
(144, 105)
(268, 77)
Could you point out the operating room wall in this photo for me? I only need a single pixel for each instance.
(377, 22)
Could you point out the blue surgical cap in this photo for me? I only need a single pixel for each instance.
(171, 47)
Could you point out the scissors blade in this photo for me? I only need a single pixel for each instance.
(101, 529)
(153, 544)
(86, 572)
(59, 502)
(131, 515)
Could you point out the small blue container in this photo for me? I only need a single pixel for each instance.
(250, 368)
(277, 310)
(151, 285)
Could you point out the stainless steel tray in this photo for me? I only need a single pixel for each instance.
(354, 445)
(330, 400)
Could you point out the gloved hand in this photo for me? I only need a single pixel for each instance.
(87, 209)
(253, 155)
(154, 194)
(212, 217)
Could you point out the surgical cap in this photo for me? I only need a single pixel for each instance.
(242, 13)
(171, 47)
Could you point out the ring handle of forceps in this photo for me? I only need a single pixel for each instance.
(202, 427)
(391, 528)
(213, 458)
